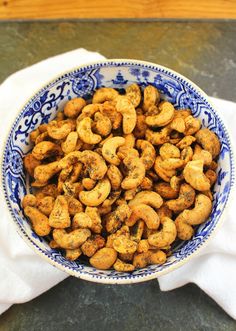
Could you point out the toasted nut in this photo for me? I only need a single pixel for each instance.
(133, 93)
(209, 141)
(105, 94)
(121, 266)
(104, 258)
(88, 183)
(195, 216)
(45, 149)
(185, 142)
(73, 107)
(84, 129)
(81, 220)
(92, 244)
(59, 217)
(39, 221)
(29, 200)
(151, 97)
(117, 217)
(158, 138)
(150, 257)
(165, 174)
(69, 145)
(43, 173)
(94, 214)
(168, 150)
(192, 125)
(115, 176)
(148, 153)
(187, 154)
(146, 213)
(73, 254)
(95, 164)
(165, 236)
(178, 125)
(143, 246)
(165, 116)
(30, 163)
(97, 195)
(193, 174)
(109, 149)
(137, 231)
(126, 108)
(185, 199)
(164, 211)
(141, 126)
(148, 198)
(71, 240)
(136, 173)
(201, 154)
(147, 184)
(103, 125)
(124, 245)
(74, 205)
(59, 130)
(110, 111)
(166, 191)
(211, 175)
(45, 205)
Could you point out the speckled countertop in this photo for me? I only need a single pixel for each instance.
(205, 53)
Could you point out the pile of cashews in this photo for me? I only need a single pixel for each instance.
(121, 178)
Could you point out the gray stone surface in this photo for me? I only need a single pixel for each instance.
(204, 52)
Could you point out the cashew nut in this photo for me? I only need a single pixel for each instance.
(133, 93)
(146, 213)
(211, 175)
(185, 142)
(115, 176)
(125, 151)
(126, 108)
(73, 254)
(59, 130)
(168, 150)
(88, 183)
(39, 221)
(195, 216)
(146, 184)
(69, 145)
(162, 172)
(117, 217)
(104, 258)
(43, 173)
(73, 107)
(165, 236)
(151, 97)
(105, 94)
(45, 205)
(84, 129)
(193, 174)
(166, 191)
(141, 126)
(60, 217)
(97, 195)
(124, 245)
(71, 240)
(148, 155)
(94, 163)
(109, 149)
(29, 200)
(165, 116)
(164, 211)
(187, 154)
(177, 124)
(121, 266)
(172, 164)
(30, 163)
(102, 124)
(136, 173)
(94, 214)
(110, 111)
(92, 244)
(185, 199)
(201, 154)
(158, 138)
(45, 149)
(74, 205)
(151, 257)
(148, 198)
(192, 125)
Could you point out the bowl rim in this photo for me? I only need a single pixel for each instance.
(103, 278)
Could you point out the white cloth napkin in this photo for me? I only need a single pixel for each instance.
(24, 275)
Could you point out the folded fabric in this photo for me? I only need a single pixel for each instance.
(24, 275)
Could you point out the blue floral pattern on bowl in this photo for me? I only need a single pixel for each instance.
(43, 106)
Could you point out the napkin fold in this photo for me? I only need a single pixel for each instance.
(25, 275)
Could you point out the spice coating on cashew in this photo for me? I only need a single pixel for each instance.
(60, 217)
(165, 116)
(193, 174)
(209, 141)
(104, 258)
(109, 149)
(148, 155)
(105, 94)
(97, 195)
(94, 163)
(151, 97)
(73, 107)
(168, 151)
(165, 236)
(71, 240)
(146, 213)
(150, 198)
(133, 93)
(115, 176)
(136, 173)
(39, 221)
(126, 108)
(185, 200)
(84, 129)
(195, 216)
(45, 149)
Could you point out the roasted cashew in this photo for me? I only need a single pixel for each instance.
(104, 258)
(34, 134)
(147, 184)
(182, 113)
(45, 205)
(165, 236)
(124, 245)
(45, 149)
(165, 174)
(151, 97)
(158, 138)
(42, 137)
(105, 94)
(117, 217)
(43, 173)
(115, 176)
(148, 155)
(151, 257)
(92, 244)
(165, 116)
(69, 145)
(81, 220)
(60, 217)
(192, 125)
(133, 93)
(146, 213)
(185, 199)
(102, 124)
(97, 195)
(94, 163)
(164, 211)
(88, 183)
(175, 182)
(194, 175)
(141, 126)
(123, 231)
(84, 129)
(59, 130)
(113, 196)
(89, 110)
(73, 107)
(143, 246)
(109, 149)
(187, 154)
(185, 142)
(109, 110)
(177, 124)
(71, 240)
(130, 194)
(136, 173)
(148, 198)
(125, 151)
(172, 164)
(168, 150)
(121, 266)
(195, 216)
(30, 163)
(211, 175)
(74, 205)
(29, 200)
(166, 191)
(73, 254)
(137, 231)
(209, 141)
(129, 140)
(39, 221)
(126, 108)
(201, 154)
(94, 214)
(49, 190)
(64, 174)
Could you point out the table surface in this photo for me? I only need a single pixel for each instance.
(205, 53)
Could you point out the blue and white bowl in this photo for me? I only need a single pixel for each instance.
(82, 81)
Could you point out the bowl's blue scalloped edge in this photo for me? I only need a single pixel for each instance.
(122, 278)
